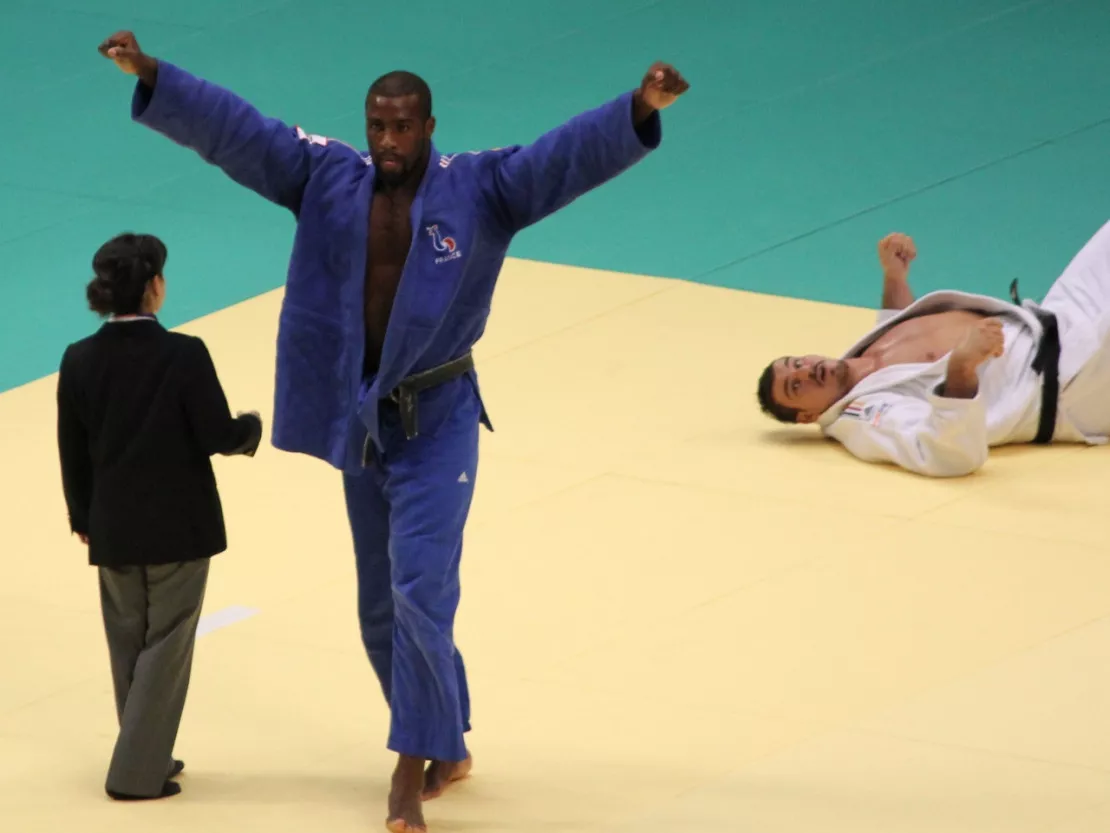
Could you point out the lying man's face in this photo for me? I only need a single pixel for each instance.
(801, 388)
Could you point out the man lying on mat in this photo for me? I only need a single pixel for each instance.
(941, 379)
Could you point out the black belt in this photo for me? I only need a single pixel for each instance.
(405, 394)
(1047, 363)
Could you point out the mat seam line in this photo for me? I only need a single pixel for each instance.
(903, 197)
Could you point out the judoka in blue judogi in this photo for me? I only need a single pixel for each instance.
(395, 258)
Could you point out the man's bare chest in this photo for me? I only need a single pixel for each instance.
(923, 339)
(390, 233)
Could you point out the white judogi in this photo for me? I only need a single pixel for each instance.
(895, 415)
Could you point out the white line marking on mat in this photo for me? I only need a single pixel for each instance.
(223, 618)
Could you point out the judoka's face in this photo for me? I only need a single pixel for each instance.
(398, 135)
(810, 385)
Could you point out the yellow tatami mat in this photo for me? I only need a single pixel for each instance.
(677, 616)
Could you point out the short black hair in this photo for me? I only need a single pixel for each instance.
(765, 393)
(123, 267)
(400, 83)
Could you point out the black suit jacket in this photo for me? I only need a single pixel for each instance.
(140, 412)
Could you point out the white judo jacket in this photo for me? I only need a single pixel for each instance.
(896, 415)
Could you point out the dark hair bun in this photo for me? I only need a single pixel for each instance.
(123, 267)
(99, 294)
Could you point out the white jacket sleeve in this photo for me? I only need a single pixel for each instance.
(937, 437)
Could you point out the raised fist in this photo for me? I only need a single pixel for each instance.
(124, 50)
(662, 86)
(896, 252)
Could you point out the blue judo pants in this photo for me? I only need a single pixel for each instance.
(407, 512)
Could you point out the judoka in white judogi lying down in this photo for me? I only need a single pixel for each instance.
(942, 379)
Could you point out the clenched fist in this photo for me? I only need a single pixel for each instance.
(983, 341)
(662, 86)
(124, 50)
(896, 253)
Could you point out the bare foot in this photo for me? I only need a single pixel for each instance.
(405, 812)
(442, 774)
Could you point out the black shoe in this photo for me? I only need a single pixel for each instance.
(169, 788)
(176, 768)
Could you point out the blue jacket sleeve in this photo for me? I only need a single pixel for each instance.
(531, 182)
(260, 153)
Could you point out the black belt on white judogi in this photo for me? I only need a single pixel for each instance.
(1046, 362)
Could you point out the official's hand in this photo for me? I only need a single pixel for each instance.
(123, 49)
(662, 86)
(983, 341)
(896, 253)
(250, 447)
(83, 538)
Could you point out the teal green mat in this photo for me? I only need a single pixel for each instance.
(812, 128)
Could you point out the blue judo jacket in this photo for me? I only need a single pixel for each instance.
(466, 211)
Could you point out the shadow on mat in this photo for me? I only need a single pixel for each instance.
(279, 788)
(796, 437)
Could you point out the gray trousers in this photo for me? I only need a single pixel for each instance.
(150, 618)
